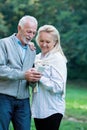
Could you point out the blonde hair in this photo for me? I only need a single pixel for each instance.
(52, 30)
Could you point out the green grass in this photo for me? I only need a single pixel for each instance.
(76, 101)
(71, 125)
(76, 107)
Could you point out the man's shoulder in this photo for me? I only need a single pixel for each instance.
(7, 38)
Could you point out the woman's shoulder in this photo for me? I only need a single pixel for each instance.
(59, 57)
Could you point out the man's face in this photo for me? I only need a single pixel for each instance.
(27, 32)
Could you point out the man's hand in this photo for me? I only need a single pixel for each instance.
(32, 75)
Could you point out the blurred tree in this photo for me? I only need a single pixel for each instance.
(68, 16)
(3, 27)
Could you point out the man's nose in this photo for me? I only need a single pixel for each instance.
(31, 35)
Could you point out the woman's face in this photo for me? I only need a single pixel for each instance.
(46, 42)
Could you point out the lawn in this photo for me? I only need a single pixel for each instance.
(76, 107)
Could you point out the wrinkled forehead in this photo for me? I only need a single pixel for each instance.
(30, 26)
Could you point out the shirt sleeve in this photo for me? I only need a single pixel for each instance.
(52, 80)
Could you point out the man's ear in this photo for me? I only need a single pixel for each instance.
(19, 28)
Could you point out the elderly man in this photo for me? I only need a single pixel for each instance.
(16, 72)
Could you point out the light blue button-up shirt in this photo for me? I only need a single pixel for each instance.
(21, 47)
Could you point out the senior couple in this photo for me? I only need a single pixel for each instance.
(45, 72)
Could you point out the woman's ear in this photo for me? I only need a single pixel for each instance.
(55, 43)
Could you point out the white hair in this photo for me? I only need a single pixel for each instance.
(24, 19)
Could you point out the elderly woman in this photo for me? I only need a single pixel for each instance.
(48, 104)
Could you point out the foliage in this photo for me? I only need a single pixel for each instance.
(69, 17)
(3, 27)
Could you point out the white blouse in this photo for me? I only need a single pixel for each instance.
(49, 98)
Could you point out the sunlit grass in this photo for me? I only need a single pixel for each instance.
(72, 125)
(76, 97)
(76, 107)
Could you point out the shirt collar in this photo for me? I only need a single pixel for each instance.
(19, 42)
